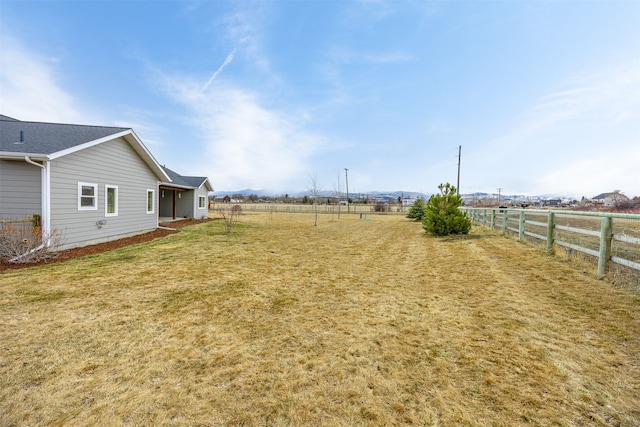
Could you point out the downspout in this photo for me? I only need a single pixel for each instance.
(45, 222)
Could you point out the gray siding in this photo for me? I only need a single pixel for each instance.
(20, 189)
(184, 205)
(111, 163)
(183, 209)
(202, 212)
(166, 203)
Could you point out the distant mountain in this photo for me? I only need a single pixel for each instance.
(245, 192)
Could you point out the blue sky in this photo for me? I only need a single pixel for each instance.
(543, 96)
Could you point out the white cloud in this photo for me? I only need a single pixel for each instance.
(29, 87)
(246, 140)
(244, 143)
(591, 176)
(578, 139)
(226, 62)
(367, 12)
(245, 28)
(343, 55)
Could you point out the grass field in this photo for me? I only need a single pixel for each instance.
(353, 322)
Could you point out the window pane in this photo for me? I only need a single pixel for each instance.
(86, 201)
(87, 190)
(149, 201)
(111, 200)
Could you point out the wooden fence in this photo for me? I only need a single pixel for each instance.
(353, 208)
(606, 237)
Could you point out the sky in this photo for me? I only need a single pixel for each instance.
(539, 97)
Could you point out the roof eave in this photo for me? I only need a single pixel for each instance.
(207, 184)
(9, 155)
(182, 187)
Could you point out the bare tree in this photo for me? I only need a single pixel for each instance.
(337, 191)
(314, 191)
(229, 216)
(619, 200)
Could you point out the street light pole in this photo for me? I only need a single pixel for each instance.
(459, 155)
(346, 178)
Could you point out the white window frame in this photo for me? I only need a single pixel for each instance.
(94, 207)
(202, 202)
(106, 198)
(153, 201)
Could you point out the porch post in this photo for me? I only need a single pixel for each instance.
(174, 204)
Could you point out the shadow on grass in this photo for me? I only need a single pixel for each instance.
(460, 237)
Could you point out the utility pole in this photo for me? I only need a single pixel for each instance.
(346, 178)
(459, 156)
(499, 190)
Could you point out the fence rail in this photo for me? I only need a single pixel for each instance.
(606, 237)
(27, 222)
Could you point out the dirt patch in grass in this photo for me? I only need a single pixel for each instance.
(107, 246)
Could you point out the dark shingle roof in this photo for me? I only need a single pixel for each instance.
(42, 141)
(601, 196)
(47, 138)
(185, 181)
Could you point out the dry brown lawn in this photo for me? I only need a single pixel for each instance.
(349, 323)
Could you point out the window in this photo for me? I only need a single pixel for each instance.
(87, 196)
(110, 200)
(202, 202)
(151, 195)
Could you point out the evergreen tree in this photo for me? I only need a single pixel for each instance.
(442, 216)
(416, 211)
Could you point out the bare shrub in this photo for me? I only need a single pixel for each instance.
(23, 241)
(229, 216)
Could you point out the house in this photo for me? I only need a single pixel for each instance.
(92, 184)
(614, 198)
(551, 202)
(184, 196)
(408, 201)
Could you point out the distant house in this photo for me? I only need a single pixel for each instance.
(91, 183)
(556, 203)
(408, 201)
(615, 198)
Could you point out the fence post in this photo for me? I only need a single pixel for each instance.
(551, 227)
(605, 244)
(504, 221)
(521, 226)
(484, 217)
(493, 218)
